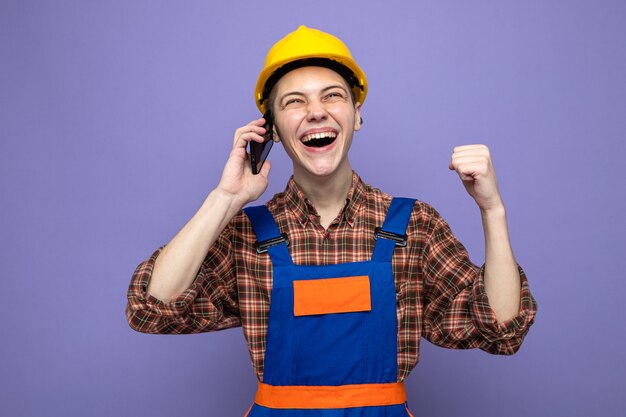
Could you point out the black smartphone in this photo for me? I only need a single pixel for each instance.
(259, 151)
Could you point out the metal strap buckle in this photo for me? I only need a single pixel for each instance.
(261, 247)
(401, 240)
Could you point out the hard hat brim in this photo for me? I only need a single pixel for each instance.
(360, 89)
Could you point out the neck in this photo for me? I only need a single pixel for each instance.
(327, 194)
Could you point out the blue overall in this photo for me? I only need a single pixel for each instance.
(341, 349)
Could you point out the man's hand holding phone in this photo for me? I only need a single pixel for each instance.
(238, 179)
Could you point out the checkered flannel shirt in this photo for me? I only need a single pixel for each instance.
(440, 292)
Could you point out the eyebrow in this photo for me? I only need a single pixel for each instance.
(299, 93)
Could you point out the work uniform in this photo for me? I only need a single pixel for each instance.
(439, 293)
(332, 334)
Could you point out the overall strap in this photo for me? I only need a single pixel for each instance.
(269, 238)
(393, 231)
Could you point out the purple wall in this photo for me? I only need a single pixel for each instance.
(116, 118)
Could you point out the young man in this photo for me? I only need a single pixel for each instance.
(333, 281)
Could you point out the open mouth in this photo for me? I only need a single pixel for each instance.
(319, 140)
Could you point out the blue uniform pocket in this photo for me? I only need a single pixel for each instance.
(330, 349)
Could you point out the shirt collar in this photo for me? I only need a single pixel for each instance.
(304, 211)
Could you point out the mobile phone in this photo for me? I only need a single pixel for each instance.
(259, 151)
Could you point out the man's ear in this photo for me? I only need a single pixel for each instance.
(275, 136)
(358, 121)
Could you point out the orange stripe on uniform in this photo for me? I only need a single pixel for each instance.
(331, 295)
(343, 396)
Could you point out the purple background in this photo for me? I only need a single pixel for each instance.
(116, 118)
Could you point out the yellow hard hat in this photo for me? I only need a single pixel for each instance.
(307, 46)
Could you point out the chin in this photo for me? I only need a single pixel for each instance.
(322, 170)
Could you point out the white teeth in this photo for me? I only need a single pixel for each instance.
(319, 136)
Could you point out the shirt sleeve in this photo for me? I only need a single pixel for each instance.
(457, 313)
(209, 304)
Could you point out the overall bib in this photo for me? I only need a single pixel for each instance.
(332, 333)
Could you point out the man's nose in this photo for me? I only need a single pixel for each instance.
(316, 110)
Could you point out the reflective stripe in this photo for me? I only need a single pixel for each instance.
(331, 295)
(342, 396)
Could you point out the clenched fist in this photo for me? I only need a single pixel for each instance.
(475, 168)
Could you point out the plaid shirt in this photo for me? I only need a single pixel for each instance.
(440, 293)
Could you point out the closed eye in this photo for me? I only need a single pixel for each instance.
(334, 95)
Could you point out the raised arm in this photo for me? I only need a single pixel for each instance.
(189, 285)
(177, 265)
(502, 280)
